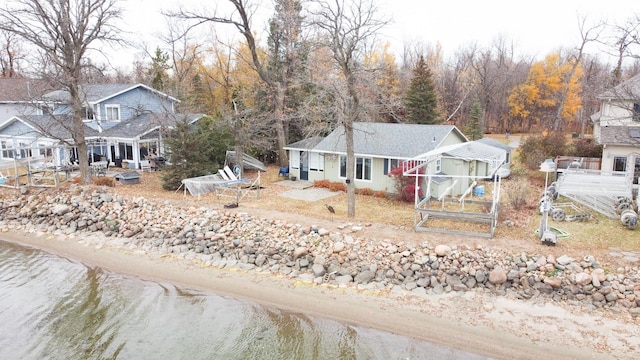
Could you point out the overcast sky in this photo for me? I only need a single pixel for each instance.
(536, 27)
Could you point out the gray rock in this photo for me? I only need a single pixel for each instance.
(318, 270)
(564, 260)
(344, 279)
(364, 277)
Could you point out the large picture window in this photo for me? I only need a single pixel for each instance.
(112, 112)
(363, 168)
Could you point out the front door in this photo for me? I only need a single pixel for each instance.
(304, 165)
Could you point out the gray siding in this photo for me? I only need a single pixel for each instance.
(133, 103)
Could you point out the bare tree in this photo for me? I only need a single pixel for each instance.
(587, 35)
(63, 31)
(623, 40)
(276, 79)
(349, 26)
(11, 53)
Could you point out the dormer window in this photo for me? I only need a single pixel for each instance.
(88, 112)
(112, 112)
(636, 112)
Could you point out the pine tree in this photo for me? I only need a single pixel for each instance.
(421, 101)
(195, 150)
(473, 129)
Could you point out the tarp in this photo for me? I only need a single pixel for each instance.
(248, 161)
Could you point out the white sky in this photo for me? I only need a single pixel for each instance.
(536, 27)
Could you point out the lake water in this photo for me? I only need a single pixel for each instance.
(57, 308)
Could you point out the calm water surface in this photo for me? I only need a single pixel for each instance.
(56, 308)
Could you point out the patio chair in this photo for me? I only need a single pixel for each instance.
(145, 165)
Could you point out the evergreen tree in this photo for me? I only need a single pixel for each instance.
(473, 130)
(195, 150)
(421, 102)
(158, 70)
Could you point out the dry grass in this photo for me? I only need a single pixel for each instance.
(394, 219)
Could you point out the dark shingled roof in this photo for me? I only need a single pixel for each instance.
(145, 123)
(49, 126)
(388, 140)
(94, 93)
(620, 135)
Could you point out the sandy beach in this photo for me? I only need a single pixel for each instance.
(477, 322)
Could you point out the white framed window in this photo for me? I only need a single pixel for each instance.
(112, 112)
(390, 164)
(620, 163)
(363, 168)
(6, 148)
(25, 150)
(438, 165)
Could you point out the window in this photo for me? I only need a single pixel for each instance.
(636, 112)
(343, 166)
(636, 170)
(113, 112)
(7, 149)
(390, 164)
(438, 165)
(88, 112)
(25, 151)
(619, 163)
(363, 168)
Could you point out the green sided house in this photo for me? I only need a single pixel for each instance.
(380, 147)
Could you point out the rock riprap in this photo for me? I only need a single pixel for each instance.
(238, 240)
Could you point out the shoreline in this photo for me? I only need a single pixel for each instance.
(452, 320)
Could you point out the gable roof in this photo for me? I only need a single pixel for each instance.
(627, 90)
(145, 123)
(47, 126)
(14, 90)
(96, 93)
(388, 139)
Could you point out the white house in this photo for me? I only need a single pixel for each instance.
(617, 128)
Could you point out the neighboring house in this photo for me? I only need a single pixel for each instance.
(123, 122)
(617, 127)
(20, 96)
(378, 147)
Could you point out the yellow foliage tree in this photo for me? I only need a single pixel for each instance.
(550, 96)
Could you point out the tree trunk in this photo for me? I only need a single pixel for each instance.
(283, 159)
(352, 107)
(351, 186)
(78, 133)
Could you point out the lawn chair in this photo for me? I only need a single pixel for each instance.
(145, 165)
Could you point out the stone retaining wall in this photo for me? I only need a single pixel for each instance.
(314, 255)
